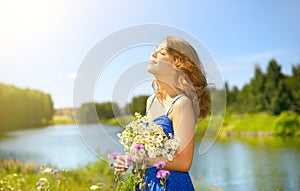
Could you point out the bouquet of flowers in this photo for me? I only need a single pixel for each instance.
(142, 140)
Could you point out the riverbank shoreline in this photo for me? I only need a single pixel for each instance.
(234, 125)
(62, 147)
(244, 125)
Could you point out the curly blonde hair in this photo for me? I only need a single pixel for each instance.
(190, 77)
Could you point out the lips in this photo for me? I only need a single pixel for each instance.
(152, 62)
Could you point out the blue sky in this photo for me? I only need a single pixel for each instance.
(43, 43)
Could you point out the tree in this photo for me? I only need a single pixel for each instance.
(138, 104)
(287, 125)
(281, 100)
(232, 98)
(271, 91)
(87, 113)
(244, 102)
(107, 110)
(24, 108)
(293, 83)
(275, 88)
(257, 90)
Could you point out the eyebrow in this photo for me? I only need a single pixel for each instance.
(160, 48)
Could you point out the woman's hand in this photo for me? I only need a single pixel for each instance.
(121, 164)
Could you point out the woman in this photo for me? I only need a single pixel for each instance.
(181, 98)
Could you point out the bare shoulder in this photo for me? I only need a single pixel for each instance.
(183, 116)
(183, 103)
(183, 107)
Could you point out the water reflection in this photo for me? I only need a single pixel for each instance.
(251, 164)
(233, 164)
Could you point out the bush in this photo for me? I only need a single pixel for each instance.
(287, 124)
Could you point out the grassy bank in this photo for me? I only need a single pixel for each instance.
(250, 125)
(61, 120)
(259, 124)
(118, 121)
(123, 120)
(235, 125)
(15, 175)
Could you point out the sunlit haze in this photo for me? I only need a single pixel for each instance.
(43, 43)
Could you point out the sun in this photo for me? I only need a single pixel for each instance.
(23, 20)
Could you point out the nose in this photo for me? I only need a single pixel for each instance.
(154, 54)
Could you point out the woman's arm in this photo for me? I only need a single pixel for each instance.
(183, 120)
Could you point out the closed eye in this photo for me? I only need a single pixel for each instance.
(162, 53)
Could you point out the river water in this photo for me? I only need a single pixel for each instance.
(232, 164)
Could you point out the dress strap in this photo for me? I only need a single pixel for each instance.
(175, 99)
(151, 104)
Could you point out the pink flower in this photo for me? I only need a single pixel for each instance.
(138, 147)
(159, 165)
(54, 171)
(39, 184)
(129, 161)
(162, 174)
(113, 155)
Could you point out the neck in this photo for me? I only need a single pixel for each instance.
(168, 89)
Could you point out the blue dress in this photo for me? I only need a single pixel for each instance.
(177, 181)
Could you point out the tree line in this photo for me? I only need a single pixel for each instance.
(92, 112)
(23, 108)
(270, 91)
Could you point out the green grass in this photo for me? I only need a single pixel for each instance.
(15, 175)
(118, 121)
(244, 125)
(238, 125)
(254, 122)
(248, 125)
(60, 120)
(250, 122)
(235, 125)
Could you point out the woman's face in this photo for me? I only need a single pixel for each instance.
(160, 62)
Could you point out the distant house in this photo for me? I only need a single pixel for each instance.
(64, 113)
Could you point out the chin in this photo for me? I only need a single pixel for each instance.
(150, 69)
